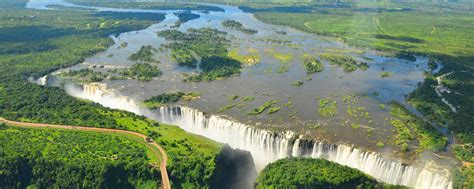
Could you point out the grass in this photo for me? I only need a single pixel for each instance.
(283, 57)
(250, 59)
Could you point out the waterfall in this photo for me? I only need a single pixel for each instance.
(40, 81)
(268, 146)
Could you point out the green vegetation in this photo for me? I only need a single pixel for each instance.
(251, 59)
(167, 98)
(85, 75)
(385, 74)
(465, 152)
(404, 29)
(311, 64)
(273, 110)
(380, 144)
(147, 5)
(327, 107)
(210, 45)
(233, 97)
(80, 159)
(263, 107)
(347, 63)
(228, 107)
(409, 127)
(464, 177)
(282, 57)
(299, 173)
(142, 72)
(145, 54)
(297, 83)
(184, 17)
(248, 98)
(73, 36)
(238, 26)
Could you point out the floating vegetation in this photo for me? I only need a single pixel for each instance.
(123, 45)
(327, 107)
(250, 59)
(227, 107)
(283, 69)
(273, 110)
(282, 57)
(311, 64)
(248, 98)
(263, 107)
(233, 97)
(380, 144)
(297, 83)
(385, 74)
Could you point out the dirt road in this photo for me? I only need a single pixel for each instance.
(164, 174)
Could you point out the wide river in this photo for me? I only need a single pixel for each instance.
(343, 138)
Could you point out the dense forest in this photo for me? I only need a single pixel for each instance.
(36, 42)
(300, 173)
(52, 158)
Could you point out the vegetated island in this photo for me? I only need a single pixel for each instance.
(167, 98)
(145, 54)
(301, 173)
(184, 16)
(210, 45)
(233, 24)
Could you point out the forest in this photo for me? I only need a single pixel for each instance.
(53, 158)
(300, 173)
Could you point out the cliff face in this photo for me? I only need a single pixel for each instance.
(235, 169)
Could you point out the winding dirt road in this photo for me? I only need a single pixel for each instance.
(163, 155)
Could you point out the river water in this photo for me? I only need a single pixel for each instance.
(317, 136)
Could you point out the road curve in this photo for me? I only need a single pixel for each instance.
(164, 174)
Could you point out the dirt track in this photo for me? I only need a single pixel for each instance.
(164, 174)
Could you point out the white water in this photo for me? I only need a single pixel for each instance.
(266, 146)
(43, 81)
